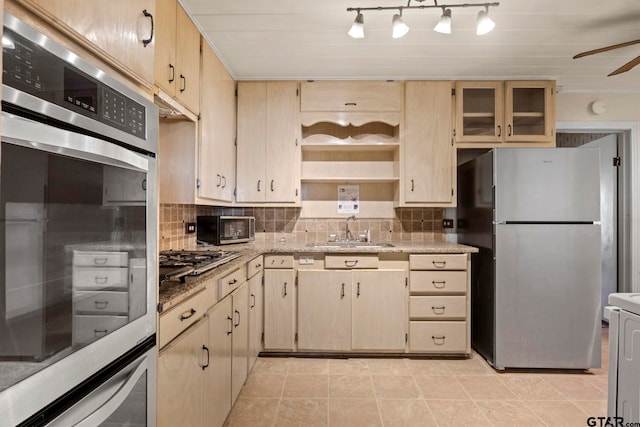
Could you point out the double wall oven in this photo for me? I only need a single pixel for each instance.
(78, 240)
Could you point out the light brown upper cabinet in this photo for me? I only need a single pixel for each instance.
(217, 155)
(428, 152)
(351, 96)
(514, 112)
(119, 32)
(177, 59)
(268, 152)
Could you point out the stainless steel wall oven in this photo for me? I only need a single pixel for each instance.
(78, 240)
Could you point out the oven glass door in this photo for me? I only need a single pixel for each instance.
(73, 247)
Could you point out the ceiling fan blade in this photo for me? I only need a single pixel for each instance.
(626, 67)
(606, 49)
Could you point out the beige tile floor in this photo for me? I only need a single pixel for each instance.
(416, 392)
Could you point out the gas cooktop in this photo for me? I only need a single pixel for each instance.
(174, 265)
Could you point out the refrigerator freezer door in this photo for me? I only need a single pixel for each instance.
(547, 185)
(547, 296)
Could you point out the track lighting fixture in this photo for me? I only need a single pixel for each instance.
(399, 28)
(357, 29)
(485, 24)
(444, 24)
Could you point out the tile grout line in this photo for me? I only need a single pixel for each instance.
(523, 401)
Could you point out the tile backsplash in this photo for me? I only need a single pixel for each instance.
(272, 224)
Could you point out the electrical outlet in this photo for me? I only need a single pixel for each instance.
(190, 228)
(447, 223)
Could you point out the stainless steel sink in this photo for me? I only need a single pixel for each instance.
(334, 245)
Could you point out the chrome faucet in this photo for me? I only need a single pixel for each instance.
(347, 231)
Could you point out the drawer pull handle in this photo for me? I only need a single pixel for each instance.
(146, 42)
(342, 292)
(253, 299)
(230, 319)
(358, 290)
(100, 261)
(439, 264)
(235, 325)
(233, 282)
(438, 285)
(350, 104)
(101, 305)
(259, 185)
(101, 280)
(438, 310)
(173, 73)
(284, 292)
(258, 265)
(100, 332)
(188, 314)
(205, 348)
(438, 340)
(350, 262)
(499, 131)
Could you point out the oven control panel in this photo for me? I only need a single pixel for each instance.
(27, 67)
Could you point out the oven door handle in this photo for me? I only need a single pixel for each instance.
(102, 402)
(30, 134)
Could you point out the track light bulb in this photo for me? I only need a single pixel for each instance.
(485, 24)
(444, 24)
(357, 29)
(399, 28)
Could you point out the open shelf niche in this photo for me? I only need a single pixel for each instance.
(350, 149)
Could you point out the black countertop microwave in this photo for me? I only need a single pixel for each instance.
(224, 230)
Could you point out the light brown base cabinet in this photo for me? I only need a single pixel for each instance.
(201, 372)
(440, 303)
(255, 273)
(352, 310)
(279, 303)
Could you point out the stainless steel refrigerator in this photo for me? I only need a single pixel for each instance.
(534, 214)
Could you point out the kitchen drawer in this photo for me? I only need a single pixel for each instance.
(278, 261)
(438, 307)
(90, 328)
(351, 96)
(183, 315)
(351, 261)
(230, 282)
(100, 278)
(438, 282)
(438, 337)
(89, 302)
(99, 259)
(255, 266)
(438, 262)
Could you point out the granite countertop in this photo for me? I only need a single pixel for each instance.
(173, 293)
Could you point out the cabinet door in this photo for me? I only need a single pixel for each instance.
(165, 35)
(181, 379)
(379, 310)
(187, 61)
(351, 96)
(240, 360)
(217, 159)
(255, 316)
(428, 153)
(529, 113)
(114, 30)
(283, 151)
(479, 111)
(279, 314)
(217, 394)
(324, 310)
(252, 130)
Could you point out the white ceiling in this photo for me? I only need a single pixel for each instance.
(302, 39)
